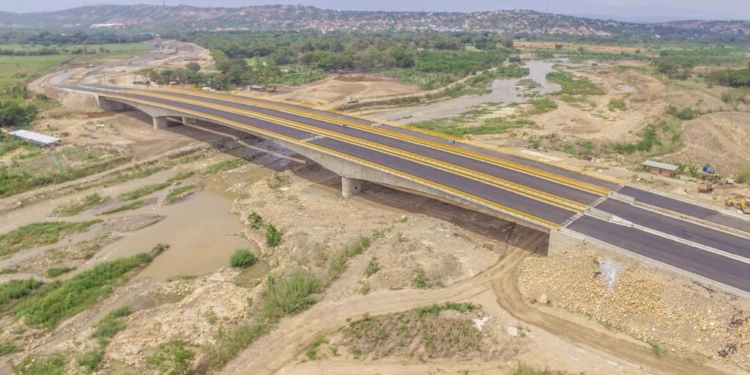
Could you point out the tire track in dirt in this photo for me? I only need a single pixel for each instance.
(509, 298)
(295, 334)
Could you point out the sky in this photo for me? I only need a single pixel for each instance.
(621, 9)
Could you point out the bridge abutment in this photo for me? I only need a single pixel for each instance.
(350, 186)
(160, 123)
(111, 106)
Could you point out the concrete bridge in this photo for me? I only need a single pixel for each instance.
(574, 208)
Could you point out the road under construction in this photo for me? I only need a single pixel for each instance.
(572, 207)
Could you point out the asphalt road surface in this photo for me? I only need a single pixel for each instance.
(686, 208)
(703, 263)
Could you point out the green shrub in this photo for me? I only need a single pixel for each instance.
(372, 267)
(242, 258)
(180, 193)
(273, 236)
(687, 113)
(256, 222)
(291, 295)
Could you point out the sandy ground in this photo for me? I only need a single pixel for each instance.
(466, 257)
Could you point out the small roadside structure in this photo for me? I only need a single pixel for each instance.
(34, 138)
(258, 88)
(663, 169)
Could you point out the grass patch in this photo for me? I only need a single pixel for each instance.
(617, 105)
(242, 258)
(574, 86)
(8, 270)
(39, 234)
(138, 173)
(74, 208)
(173, 358)
(182, 277)
(420, 330)
(540, 106)
(256, 221)
(182, 176)
(125, 207)
(337, 264)
(421, 281)
(273, 236)
(52, 365)
(57, 271)
(657, 350)
(79, 292)
(457, 126)
(524, 369)
(231, 343)
(225, 165)
(14, 291)
(108, 327)
(180, 193)
(290, 295)
(142, 191)
(312, 352)
(8, 348)
(372, 267)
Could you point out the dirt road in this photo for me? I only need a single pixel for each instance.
(297, 333)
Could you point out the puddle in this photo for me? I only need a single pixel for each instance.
(200, 232)
(257, 271)
(627, 88)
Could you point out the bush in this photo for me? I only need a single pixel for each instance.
(273, 236)
(687, 113)
(256, 222)
(242, 258)
(230, 344)
(291, 295)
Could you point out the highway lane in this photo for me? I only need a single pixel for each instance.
(454, 181)
(679, 228)
(703, 263)
(368, 122)
(463, 161)
(472, 187)
(686, 208)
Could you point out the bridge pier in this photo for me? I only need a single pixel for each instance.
(110, 105)
(160, 122)
(189, 121)
(350, 186)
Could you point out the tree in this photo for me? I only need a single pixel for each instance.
(172, 358)
(15, 112)
(558, 46)
(193, 67)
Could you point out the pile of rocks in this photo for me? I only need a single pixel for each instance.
(650, 304)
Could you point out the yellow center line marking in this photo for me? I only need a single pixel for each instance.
(523, 190)
(272, 135)
(582, 185)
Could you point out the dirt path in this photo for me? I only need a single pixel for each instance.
(509, 298)
(297, 333)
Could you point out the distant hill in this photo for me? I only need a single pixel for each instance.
(290, 17)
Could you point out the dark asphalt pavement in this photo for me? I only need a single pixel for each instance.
(679, 228)
(709, 265)
(508, 174)
(685, 208)
(483, 190)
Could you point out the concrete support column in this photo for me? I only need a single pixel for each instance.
(189, 121)
(160, 122)
(109, 105)
(350, 186)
